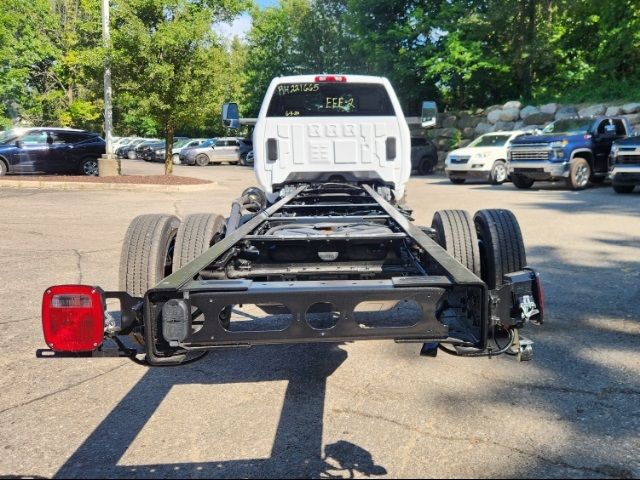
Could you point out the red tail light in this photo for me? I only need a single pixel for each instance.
(73, 318)
(330, 78)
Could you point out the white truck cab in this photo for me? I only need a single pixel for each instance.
(323, 128)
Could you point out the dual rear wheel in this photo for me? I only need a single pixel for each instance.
(157, 245)
(489, 244)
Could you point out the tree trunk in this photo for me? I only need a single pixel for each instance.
(168, 147)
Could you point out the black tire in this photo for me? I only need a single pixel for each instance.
(243, 159)
(498, 173)
(89, 167)
(457, 181)
(147, 252)
(623, 188)
(579, 173)
(3, 168)
(456, 233)
(425, 166)
(522, 182)
(202, 160)
(196, 234)
(501, 245)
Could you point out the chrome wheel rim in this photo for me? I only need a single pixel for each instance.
(501, 173)
(582, 175)
(90, 168)
(176, 159)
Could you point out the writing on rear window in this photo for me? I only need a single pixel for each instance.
(330, 99)
(290, 89)
(339, 103)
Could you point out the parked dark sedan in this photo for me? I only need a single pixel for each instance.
(50, 150)
(148, 152)
(137, 152)
(123, 150)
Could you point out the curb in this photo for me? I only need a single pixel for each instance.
(136, 187)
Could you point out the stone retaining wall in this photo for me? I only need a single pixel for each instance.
(458, 129)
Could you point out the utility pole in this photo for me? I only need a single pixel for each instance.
(108, 165)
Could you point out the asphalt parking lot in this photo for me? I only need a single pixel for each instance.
(369, 409)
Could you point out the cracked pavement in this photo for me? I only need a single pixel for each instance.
(367, 409)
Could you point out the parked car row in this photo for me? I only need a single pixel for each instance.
(575, 150)
(188, 151)
(72, 151)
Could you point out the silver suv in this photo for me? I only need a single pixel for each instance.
(227, 149)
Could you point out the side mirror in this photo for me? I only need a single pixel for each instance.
(231, 115)
(429, 114)
(19, 143)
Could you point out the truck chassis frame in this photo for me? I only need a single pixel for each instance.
(188, 312)
(456, 304)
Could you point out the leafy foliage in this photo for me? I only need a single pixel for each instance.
(51, 63)
(465, 53)
(168, 51)
(171, 71)
(297, 37)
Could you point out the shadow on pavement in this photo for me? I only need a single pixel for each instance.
(588, 359)
(297, 447)
(586, 384)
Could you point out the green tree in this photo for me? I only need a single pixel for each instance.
(50, 62)
(26, 55)
(78, 70)
(297, 37)
(166, 58)
(272, 46)
(392, 38)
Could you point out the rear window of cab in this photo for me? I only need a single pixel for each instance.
(330, 100)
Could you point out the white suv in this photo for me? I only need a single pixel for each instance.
(485, 158)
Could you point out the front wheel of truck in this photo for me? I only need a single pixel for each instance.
(501, 245)
(147, 252)
(521, 181)
(579, 174)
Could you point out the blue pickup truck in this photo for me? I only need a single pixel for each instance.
(573, 149)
